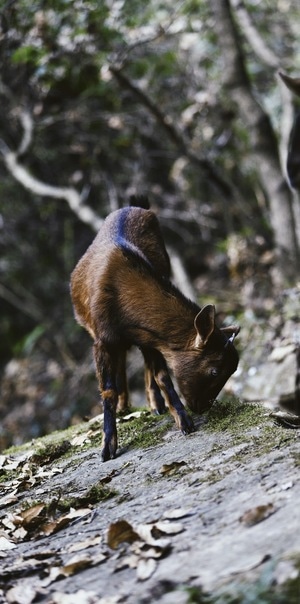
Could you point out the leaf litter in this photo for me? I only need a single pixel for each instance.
(146, 544)
(142, 549)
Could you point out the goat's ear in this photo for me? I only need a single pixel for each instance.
(204, 325)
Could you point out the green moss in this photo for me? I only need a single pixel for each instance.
(248, 425)
(231, 415)
(262, 591)
(291, 591)
(144, 431)
(47, 454)
(140, 431)
(214, 476)
(296, 456)
(49, 440)
(97, 493)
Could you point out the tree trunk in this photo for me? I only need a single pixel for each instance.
(263, 141)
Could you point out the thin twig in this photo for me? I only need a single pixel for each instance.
(26, 306)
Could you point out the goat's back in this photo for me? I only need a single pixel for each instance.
(134, 232)
(137, 231)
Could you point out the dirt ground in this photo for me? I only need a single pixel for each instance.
(211, 517)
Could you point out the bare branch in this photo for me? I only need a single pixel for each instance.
(74, 200)
(69, 194)
(112, 194)
(262, 51)
(27, 123)
(36, 186)
(180, 275)
(286, 123)
(145, 35)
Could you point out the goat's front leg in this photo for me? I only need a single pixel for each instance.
(157, 366)
(106, 361)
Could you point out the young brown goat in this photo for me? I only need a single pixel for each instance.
(122, 295)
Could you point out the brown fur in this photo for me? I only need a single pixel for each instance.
(122, 295)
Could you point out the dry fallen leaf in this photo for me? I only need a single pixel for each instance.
(21, 522)
(83, 597)
(79, 545)
(120, 532)
(23, 567)
(5, 543)
(54, 574)
(30, 515)
(130, 561)
(75, 565)
(12, 464)
(145, 544)
(168, 469)
(24, 522)
(257, 514)
(177, 513)
(80, 597)
(149, 534)
(51, 527)
(80, 439)
(145, 568)
(58, 572)
(20, 533)
(153, 551)
(8, 499)
(9, 522)
(133, 415)
(21, 594)
(41, 473)
(169, 528)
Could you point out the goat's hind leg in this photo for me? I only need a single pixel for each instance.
(106, 361)
(155, 399)
(122, 388)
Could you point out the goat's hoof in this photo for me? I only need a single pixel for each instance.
(159, 410)
(187, 425)
(108, 452)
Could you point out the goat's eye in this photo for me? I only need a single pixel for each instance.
(214, 372)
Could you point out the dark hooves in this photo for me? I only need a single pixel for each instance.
(187, 425)
(160, 411)
(108, 452)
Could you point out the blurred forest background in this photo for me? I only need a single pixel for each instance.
(101, 99)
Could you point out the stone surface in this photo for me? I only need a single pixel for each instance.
(213, 479)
